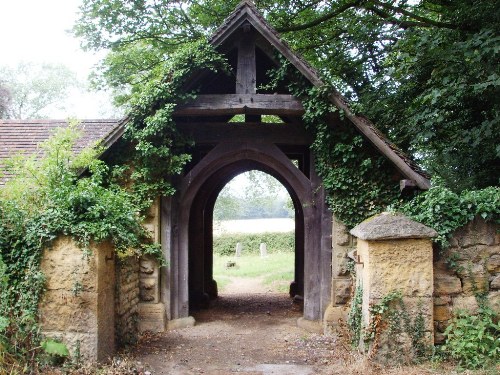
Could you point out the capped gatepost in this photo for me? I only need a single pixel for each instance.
(394, 258)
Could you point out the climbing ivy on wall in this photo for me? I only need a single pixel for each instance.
(359, 181)
(160, 151)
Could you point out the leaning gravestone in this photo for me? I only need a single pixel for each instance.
(239, 248)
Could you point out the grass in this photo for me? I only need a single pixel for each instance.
(277, 270)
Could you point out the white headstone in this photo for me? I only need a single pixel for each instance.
(263, 250)
(239, 247)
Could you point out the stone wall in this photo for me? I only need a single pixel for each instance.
(152, 315)
(342, 244)
(78, 305)
(127, 301)
(471, 264)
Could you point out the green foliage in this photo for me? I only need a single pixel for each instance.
(354, 318)
(425, 71)
(445, 211)
(159, 151)
(55, 348)
(255, 194)
(277, 270)
(474, 340)
(345, 161)
(390, 317)
(32, 88)
(225, 244)
(48, 198)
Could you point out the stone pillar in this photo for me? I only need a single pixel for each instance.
(79, 303)
(151, 311)
(342, 243)
(394, 258)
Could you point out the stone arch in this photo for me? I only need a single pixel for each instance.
(204, 181)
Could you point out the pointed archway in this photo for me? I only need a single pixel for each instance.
(193, 205)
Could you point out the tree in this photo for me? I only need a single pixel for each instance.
(253, 194)
(425, 71)
(4, 100)
(33, 88)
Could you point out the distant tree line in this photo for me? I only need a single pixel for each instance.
(258, 196)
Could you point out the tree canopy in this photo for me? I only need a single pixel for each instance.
(28, 89)
(425, 71)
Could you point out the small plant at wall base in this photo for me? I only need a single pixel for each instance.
(474, 340)
(355, 316)
(391, 319)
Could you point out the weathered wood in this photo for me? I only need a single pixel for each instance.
(203, 133)
(246, 72)
(407, 185)
(234, 104)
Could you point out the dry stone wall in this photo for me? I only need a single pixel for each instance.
(469, 266)
(151, 311)
(127, 300)
(342, 244)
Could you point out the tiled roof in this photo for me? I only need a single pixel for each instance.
(24, 136)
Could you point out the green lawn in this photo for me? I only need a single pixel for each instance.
(277, 269)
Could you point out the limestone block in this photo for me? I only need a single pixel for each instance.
(80, 297)
(469, 269)
(494, 300)
(495, 282)
(339, 261)
(439, 338)
(493, 263)
(148, 266)
(61, 310)
(466, 303)
(478, 231)
(149, 291)
(442, 313)
(341, 235)
(342, 290)
(404, 265)
(446, 284)
(77, 342)
(473, 253)
(388, 226)
(442, 301)
(471, 285)
(151, 317)
(333, 319)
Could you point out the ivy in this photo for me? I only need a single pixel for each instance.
(159, 150)
(359, 181)
(446, 211)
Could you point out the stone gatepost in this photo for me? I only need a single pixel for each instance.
(78, 305)
(394, 258)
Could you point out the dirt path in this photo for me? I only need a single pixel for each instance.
(241, 333)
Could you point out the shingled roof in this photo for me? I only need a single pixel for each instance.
(24, 136)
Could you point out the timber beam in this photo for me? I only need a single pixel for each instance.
(235, 104)
(203, 133)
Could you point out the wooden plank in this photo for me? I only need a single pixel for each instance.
(203, 133)
(246, 72)
(234, 104)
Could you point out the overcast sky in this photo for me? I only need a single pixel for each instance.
(38, 31)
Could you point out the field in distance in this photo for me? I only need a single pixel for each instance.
(254, 226)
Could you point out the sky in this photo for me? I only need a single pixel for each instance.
(38, 31)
